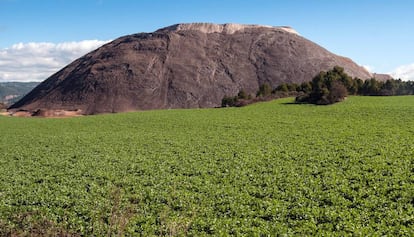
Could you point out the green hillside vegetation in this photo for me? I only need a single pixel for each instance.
(335, 85)
(325, 88)
(268, 169)
(15, 90)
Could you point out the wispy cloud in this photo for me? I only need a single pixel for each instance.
(369, 68)
(404, 72)
(37, 61)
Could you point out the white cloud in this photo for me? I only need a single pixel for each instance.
(37, 61)
(404, 72)
(368, 68)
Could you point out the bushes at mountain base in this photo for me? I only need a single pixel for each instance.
(264, 93)
(328, 88)
(325, 88)
(235, 101)
(333, 86)
(229, 101)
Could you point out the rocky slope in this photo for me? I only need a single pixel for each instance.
(183, 66)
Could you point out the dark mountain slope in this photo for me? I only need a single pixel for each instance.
(183, 66)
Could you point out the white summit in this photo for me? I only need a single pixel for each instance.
(228, 28)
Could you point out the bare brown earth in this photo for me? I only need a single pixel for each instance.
(183, 66)
(4, 113)
(57, 113)
(43, 113)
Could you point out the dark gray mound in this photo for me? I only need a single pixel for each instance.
(183, 66)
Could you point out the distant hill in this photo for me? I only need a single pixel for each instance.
(184, 66)
(10, 92)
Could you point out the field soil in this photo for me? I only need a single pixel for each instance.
(44, 113)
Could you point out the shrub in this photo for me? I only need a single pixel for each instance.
(283, 87)
(326, 88)
(242, 95)
(228, 101)
(264, 90)
(337, 92)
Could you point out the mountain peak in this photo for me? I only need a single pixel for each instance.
(183, 66)
(227, 28)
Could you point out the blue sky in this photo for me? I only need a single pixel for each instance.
(38, 37)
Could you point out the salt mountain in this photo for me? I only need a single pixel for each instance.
(183, 66)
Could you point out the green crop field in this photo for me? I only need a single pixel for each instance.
(267, 169)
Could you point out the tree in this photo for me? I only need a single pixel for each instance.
(389, 87)
(306, 87)
(337, 92)
(371, 87)
(327, 87)
(320, 91)
(242, 95)
(358, 83)
(293, 87)
(228, 101)
(264, 90)
(283, 87)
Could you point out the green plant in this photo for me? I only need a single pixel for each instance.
(272, 168)
(264, 90)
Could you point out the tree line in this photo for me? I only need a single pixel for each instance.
(335, 85)
(325, 88)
